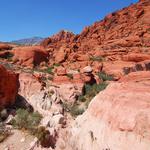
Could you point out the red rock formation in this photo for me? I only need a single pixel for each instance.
(58, 40)
(30, 56)
(5, 46)
(125, 32)
(9, 85)
(136, 76)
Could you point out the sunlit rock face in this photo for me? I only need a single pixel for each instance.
(117, 118)
(30, 56)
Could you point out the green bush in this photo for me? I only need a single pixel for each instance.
(81, 98)
(43, 136)
(76, 110)
(9, 56)
(30, 122)
(49, 70)
(26, 120)
(79, 107)
(70, 76)
(90, 91)
(105, 77)
(56, 65)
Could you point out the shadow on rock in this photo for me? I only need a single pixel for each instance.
(21, 102)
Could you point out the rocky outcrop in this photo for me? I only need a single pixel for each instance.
(9, 85)
(5, 46)
(141, 76)
(117, 118)
(121, 36)
(29, 85)
(58, 39)
(30, 56)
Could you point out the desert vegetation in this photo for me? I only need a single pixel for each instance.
(30, 122)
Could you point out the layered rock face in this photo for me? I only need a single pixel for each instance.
(117, 118)
(9, 85)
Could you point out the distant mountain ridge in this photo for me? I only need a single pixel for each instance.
(29, 41)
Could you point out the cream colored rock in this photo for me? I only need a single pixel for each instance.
(29, 85)
(118, 118)
(69, 92)
(87, 69)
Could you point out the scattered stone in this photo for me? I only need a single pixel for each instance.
(87, 69)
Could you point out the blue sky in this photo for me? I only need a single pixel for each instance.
(27, 18)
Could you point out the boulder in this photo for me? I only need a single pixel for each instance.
(70, 91)
(30, 56)
(60, 55)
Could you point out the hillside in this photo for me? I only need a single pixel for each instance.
(119, 33)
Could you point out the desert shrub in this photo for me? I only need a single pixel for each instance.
(105, 77)
(91, 90)
(43, 136)
(56, 65)
(9, 56)
(81, 98)
(30, 122)
(4, 132)
(70, 76)
(49, 70)
(66, 106)
(76, 110)
(97, 58)
(26, 120)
